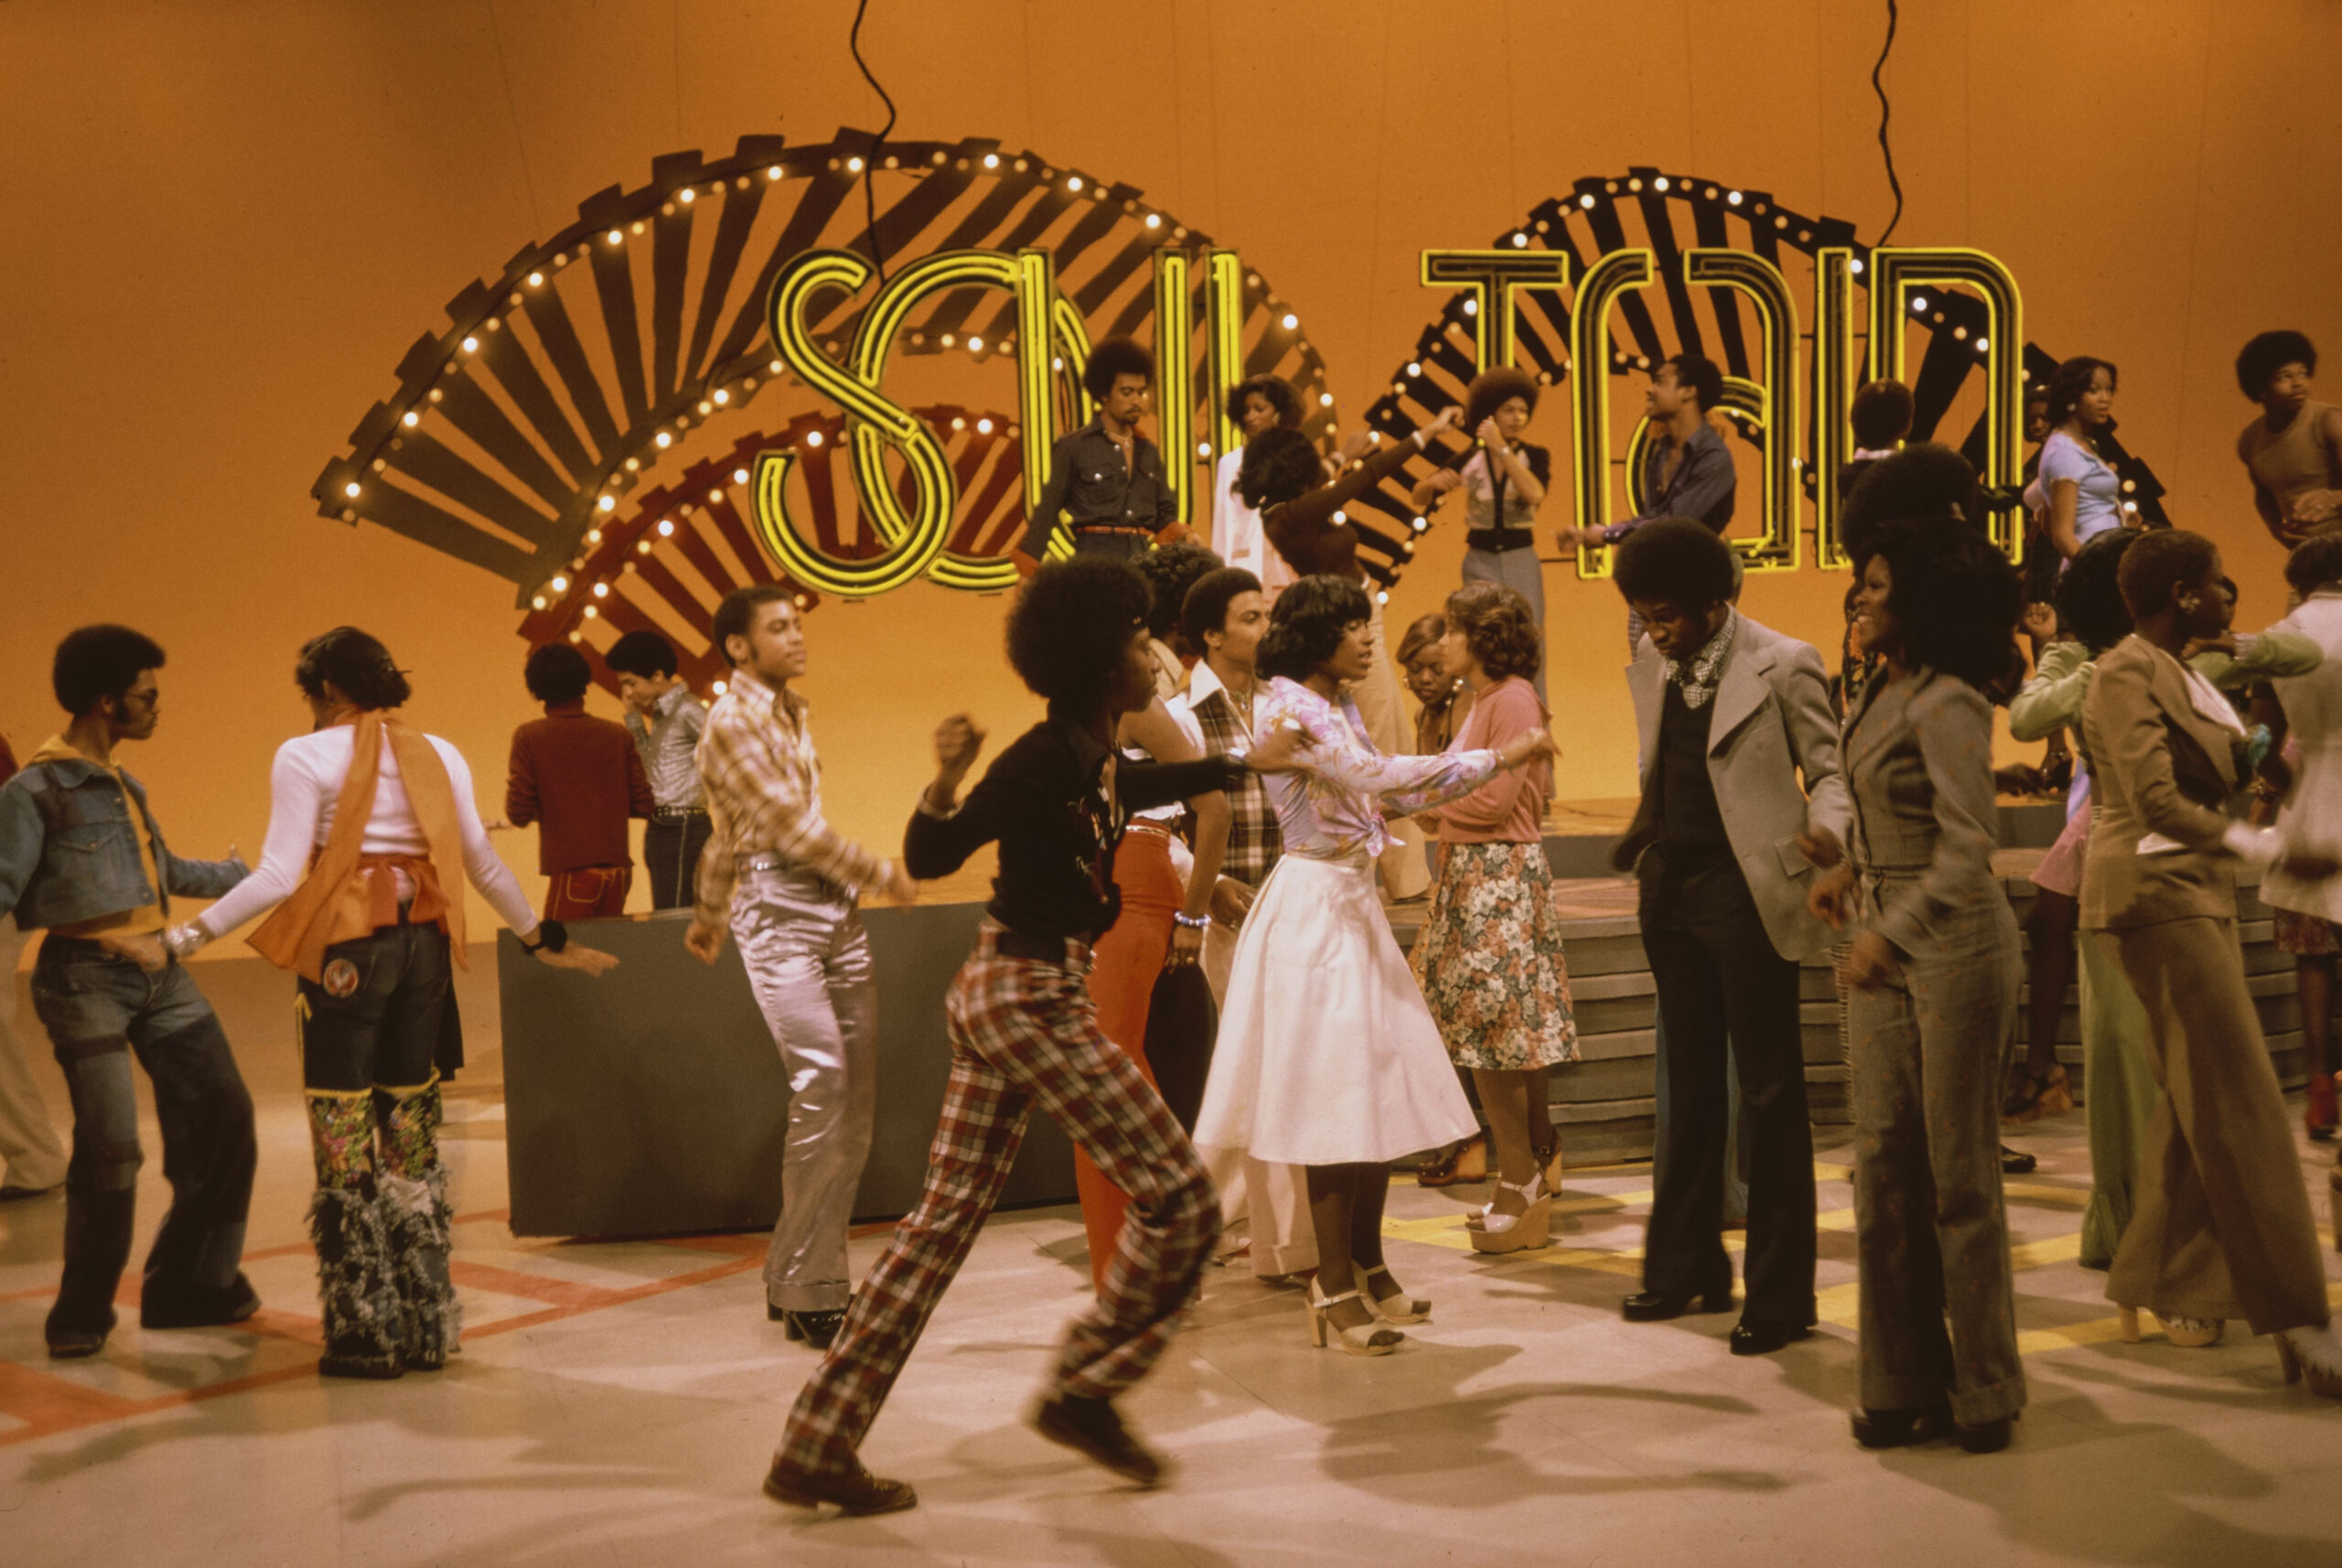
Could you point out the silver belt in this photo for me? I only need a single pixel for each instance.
(677, 813)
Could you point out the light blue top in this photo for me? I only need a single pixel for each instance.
(2098, 494)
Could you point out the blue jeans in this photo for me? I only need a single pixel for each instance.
(100, 1010)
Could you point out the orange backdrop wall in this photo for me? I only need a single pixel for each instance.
(225, 222)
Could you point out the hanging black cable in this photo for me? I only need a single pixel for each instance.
(1884, 110)
(870, 160)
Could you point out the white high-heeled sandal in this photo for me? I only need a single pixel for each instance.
(1369, 1338)
(1493, 1232)
(1399, 1308)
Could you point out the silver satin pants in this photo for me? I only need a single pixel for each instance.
(808, 958)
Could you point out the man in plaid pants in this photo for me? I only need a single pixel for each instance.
(1023, 1031)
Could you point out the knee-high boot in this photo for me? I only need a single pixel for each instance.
(354, 1283)
(416, 1220)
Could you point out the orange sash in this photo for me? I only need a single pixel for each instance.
(349, 894)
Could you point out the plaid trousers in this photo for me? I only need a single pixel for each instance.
(1022, 1031)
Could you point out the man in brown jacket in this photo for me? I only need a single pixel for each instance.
(579, 778)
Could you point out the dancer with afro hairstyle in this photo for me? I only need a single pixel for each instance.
(1105, 478)
(1025, 1031)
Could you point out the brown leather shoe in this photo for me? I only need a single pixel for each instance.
(1094, 1429)
(854, 1491)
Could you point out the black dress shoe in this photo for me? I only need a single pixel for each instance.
(2016, 1162)
(74, 1344)
(1649, 1307)
(1755, 1337)
(1988, 1437)
(1901, 1428)
(1095, 1428)
(210, 1309)
(855, 1491)
(818, 1329)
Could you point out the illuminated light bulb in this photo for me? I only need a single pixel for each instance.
(1421, 523)
(1982, 344)
(536, 280)
(719, 688)
(747, 383)
(739, 476)
(1856, 266)
(983, 427)
(1919, 302)
(1519, 240)
(634, 465)
(666, 526)
(591, 612)
(1203, 448)
(1585, 202)
(664, 440)
(1154, 221)
(722, 397)
(1340, 516)
(1413, 368)
(774, 367)
(471, 345)
(608, 503)
(350, 489)
(854, 166)
(559, 584)
(615, 238)
(714, 497)
(958, 422)
(537, 603)
(1324, 400)
(576, 637)
(976, 344)
(706, 407)
(1291, 321)
(773, 173)
(1383, 598)
(1733, 197)
(601, 590)
(411, 419)
(992, 160)
(1073, 182)
(812, 438)
(948, 339)
(1660, 184)
(800, 601)
(687, 194)
(593, 536)
(1471, 308)
(1056, 363)
(642, 547)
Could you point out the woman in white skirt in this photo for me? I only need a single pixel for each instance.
(1327, 1057)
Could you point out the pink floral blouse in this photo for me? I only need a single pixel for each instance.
(1335, 810)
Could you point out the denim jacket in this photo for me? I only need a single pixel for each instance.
(67, 854)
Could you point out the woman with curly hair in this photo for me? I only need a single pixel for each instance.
(2294, 450)
(1326, 1057)
(2081, 497)
(1503, 478)
(1933, 966)
(1489, 957)
(1025, 1031)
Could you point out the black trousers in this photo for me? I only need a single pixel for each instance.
(1717, 974)
(670, 847)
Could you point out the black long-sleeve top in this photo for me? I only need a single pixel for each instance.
(1091, 486)
(1045, 800)
(1304, 530)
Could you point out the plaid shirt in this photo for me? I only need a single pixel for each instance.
(763, 781)
(1254, 841)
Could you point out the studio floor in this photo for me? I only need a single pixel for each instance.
(616, 1403)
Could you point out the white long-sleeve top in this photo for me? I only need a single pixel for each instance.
(1237, 532)
(304, 786)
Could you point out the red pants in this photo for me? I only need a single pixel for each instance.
(1123, 970)
(589, 893)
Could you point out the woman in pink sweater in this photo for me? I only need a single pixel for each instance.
(1490, 959)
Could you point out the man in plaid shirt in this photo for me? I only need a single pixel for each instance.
(1024, 1030)
(788, 889)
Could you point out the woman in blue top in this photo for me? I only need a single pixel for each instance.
(2079, 492)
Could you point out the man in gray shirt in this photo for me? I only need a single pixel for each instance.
(666, 720)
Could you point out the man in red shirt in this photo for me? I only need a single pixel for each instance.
(579, 778)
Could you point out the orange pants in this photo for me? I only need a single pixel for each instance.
(1123, 970)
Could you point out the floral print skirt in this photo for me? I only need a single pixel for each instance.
(1489, 960)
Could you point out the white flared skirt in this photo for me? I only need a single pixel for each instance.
(1327, 1055)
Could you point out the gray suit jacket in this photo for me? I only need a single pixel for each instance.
(2163, 768)
(1772, 724)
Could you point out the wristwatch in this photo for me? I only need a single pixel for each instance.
(552, 937)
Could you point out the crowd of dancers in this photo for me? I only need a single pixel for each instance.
(1187, 961)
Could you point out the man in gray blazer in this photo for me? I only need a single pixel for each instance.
(1739, 757)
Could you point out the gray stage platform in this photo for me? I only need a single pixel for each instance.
(654, 1103)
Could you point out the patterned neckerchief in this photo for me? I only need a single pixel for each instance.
(1697, 675)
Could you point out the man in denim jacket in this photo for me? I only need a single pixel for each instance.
(81, 856)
